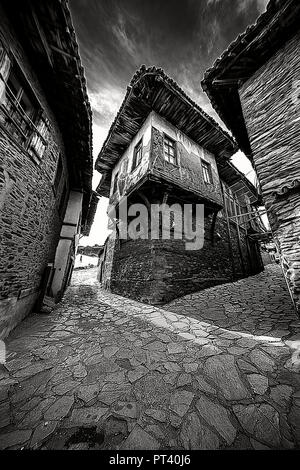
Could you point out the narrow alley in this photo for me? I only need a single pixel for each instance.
(216, 369)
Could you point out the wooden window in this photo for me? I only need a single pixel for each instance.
(38, 143)
(206, 170)
(20, 112)
(137, 155)
(115, 187)
(170, 150)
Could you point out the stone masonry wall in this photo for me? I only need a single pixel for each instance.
(157, 271)
(29, 217)
(271, 106)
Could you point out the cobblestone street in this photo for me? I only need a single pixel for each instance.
(216, 369)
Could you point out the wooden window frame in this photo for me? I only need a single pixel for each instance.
(168, 144)
(137, 155)
(30, 132)
(206, 171)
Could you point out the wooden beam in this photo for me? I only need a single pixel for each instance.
(42, 38)
(61, 51)
(226, 81)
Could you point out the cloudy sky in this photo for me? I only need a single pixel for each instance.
(184, 37)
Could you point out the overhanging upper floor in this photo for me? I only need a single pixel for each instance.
(151, 92)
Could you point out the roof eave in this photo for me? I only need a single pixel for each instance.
(222, 81)
(102, 163)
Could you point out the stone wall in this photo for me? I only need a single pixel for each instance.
(30, 221)
(271, 102)
(157, 271)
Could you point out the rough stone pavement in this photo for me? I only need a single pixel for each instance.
(212, 370)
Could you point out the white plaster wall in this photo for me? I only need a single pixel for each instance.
(145, 133)
(74, 208)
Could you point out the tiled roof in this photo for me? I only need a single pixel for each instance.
(151, 89)
(244, 57)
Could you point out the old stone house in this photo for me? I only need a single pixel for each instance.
(255, 88)
(163, 148)
(46, 197)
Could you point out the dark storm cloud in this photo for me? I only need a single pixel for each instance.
(184, 37)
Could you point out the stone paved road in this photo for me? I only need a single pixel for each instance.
(217, 369)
